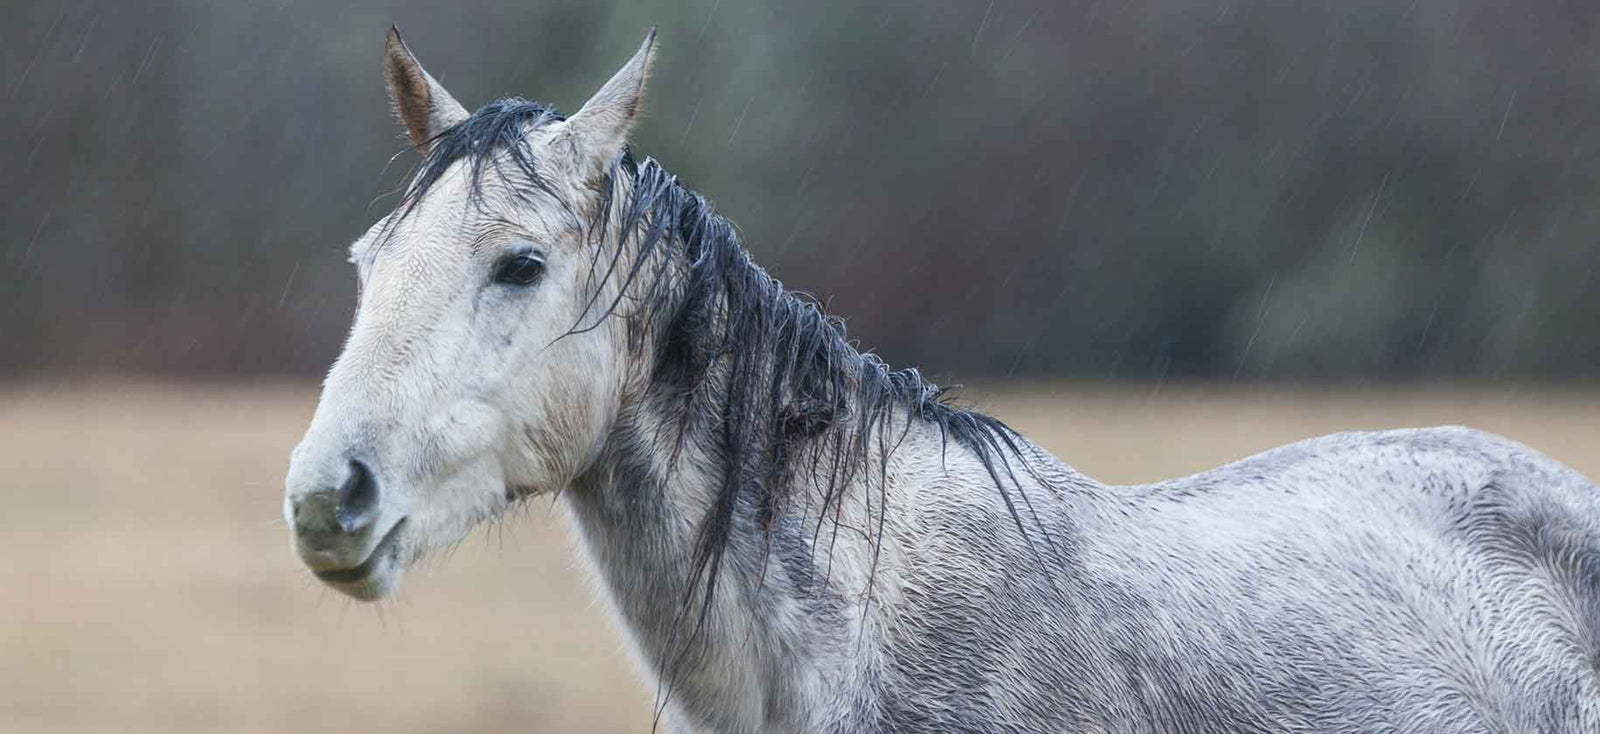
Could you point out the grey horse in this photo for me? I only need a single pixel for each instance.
(796, 538)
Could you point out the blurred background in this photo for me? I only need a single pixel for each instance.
(1156, 234)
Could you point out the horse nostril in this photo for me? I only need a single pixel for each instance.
(358, 499)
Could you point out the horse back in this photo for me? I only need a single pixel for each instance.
(1419, 580)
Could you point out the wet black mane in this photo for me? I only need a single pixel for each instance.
(770, 384)
(784, 392)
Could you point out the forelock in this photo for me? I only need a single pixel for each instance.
(493, 139)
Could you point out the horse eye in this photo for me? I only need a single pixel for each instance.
(519, 270)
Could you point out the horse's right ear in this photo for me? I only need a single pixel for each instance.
(423, 107)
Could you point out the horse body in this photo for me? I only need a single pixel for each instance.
(1264, 596)
(797, 539)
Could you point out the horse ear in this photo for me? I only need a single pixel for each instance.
(601, 128)
(420, 103)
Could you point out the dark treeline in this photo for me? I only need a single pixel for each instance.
(1363, 189)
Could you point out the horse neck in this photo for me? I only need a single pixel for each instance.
(797, 602)
(809, 569)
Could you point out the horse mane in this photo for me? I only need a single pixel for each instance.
(760, 373)
(789, 389)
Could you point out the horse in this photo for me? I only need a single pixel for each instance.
(797, 538)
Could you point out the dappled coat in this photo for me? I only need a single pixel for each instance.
(798, 539)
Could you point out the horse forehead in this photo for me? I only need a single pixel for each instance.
(470, 198)
(423, 245)
(447, 223)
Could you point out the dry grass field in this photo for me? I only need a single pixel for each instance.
(146, 580)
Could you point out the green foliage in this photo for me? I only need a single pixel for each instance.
(1146, 189)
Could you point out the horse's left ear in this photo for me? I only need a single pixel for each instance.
(600, 129)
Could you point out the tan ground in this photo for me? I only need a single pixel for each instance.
(146, 582)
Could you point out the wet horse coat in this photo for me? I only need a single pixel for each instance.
(796, 538)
